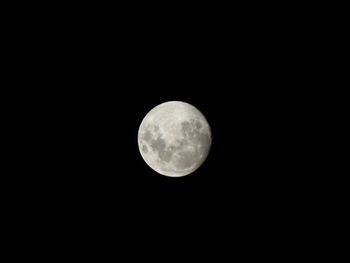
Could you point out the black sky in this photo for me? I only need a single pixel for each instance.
(95, 80)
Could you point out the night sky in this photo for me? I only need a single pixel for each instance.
(99, 79)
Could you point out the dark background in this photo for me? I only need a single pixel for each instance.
(94, 75)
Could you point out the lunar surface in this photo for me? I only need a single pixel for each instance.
(174, 138)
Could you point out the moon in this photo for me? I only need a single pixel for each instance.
(174, 139)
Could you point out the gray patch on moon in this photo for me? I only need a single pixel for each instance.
(191, 130)
(204, 142)
(192, 137)
(180, 143)
(186, 160)
(158, 145)
(147, 136)
(145, 149)
(172, 148)
(187, 129)
(198, 125)
(165, 155)
(155, 128)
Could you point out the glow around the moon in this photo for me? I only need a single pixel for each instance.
(174, 138)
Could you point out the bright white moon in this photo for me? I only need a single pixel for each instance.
(174, 138)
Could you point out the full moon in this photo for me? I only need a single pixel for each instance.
(174, 139)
